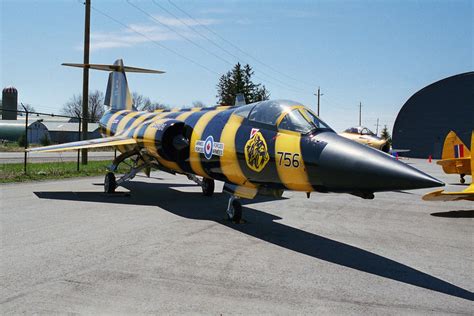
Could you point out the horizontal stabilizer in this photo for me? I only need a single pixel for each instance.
(90, 143)
(119, 68)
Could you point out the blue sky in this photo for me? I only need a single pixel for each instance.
(376, 52)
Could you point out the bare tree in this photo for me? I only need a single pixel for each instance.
(142, 103)
(28, 107)
(96, 106)
(198, 104)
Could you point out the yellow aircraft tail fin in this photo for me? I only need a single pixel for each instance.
(472, 157)
(454, 147)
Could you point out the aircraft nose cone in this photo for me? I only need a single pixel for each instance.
(347, 165)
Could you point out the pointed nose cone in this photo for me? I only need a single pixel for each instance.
(345, 165)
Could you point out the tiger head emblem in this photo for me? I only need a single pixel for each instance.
(256, 152)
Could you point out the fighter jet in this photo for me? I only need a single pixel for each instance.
(259, 148)
(365, 136)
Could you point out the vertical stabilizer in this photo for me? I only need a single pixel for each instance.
(118, 95)
(472, 158)
(454, 147)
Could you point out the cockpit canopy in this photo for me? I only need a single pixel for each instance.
(283, 115)
(359, 130)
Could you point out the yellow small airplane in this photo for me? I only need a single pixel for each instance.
(455, 157)
(467, 194)
(365, 136)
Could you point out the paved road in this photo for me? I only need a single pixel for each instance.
(68, 248)
(17, 157)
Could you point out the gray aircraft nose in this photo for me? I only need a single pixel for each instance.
(345, 165)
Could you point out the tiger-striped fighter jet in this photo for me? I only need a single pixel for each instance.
(260, 148)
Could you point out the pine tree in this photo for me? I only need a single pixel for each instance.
(385, 134)
(239, 80)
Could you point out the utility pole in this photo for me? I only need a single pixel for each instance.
(377, 130)
(360, 113)
(85, 79)
(319, 98)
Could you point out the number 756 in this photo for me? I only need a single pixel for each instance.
(289, 159)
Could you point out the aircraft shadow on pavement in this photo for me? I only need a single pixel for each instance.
(455, 214)
(262, 225)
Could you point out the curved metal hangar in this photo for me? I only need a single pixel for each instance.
(429, 115)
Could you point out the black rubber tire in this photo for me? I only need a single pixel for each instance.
(110, 184)
(237, 211)
(207, 187)
(462, 180)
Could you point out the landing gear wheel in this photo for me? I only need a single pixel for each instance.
(207, 187)
(235, 213)
(462, 180)
(110, 184)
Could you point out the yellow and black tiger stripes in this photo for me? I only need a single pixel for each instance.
(229, 160)
(122, 125)
(114, 118)
(183, 116)
(195, 157)
(143, 117)
(290, 163)
(124, 120)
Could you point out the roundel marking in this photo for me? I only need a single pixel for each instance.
(208, 146)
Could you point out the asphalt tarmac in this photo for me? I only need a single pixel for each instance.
(164, 248)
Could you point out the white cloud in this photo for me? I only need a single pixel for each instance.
(143, 33)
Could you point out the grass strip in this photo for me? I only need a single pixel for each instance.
(13, 172)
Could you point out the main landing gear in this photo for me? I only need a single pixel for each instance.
(138, 163)
(462, 180)
(110, 184)
(207, 185)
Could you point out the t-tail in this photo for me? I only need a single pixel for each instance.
(117, 96)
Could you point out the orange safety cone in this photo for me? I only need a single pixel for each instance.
(429, 158)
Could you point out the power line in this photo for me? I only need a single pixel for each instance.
(178, 33)
(153, 41)
(238, 48)
(195, 30)
(285, 86)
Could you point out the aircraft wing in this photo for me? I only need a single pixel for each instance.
(90, 143)
(400, 150)
(441, 195)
